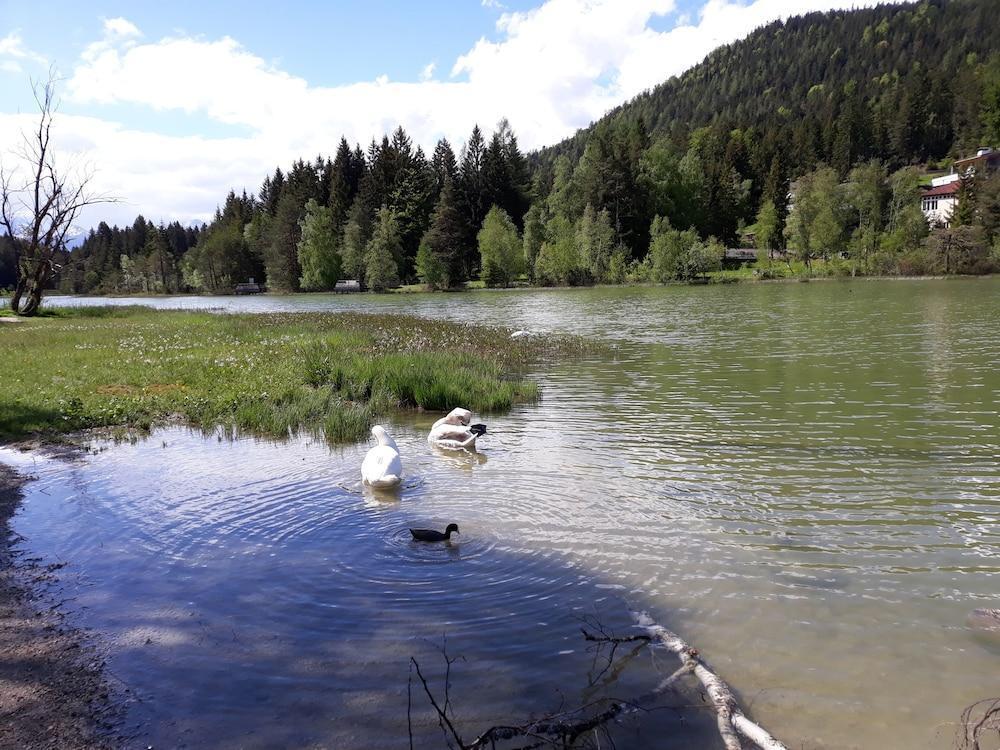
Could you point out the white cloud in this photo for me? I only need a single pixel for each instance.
(121, 28)
(10, 66)
(12, 46)
(551, 70)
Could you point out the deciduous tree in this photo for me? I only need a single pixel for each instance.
(500, 249)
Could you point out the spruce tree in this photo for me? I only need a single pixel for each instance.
(473, 193)
(444, 164)
(447, 236)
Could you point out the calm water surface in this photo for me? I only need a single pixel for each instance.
(802, 479)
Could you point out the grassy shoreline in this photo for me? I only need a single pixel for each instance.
(269, 374)
(779, 273)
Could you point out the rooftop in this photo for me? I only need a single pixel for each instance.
(948, 189)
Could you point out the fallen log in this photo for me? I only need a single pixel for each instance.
(731, 720)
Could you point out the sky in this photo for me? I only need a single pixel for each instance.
(171, 104)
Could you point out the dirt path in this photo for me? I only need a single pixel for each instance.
(52, 692)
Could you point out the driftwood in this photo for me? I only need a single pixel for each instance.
(565, 728)
(979, 719)
(732, 721)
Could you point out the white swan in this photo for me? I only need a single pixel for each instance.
(453, 432)
(521, 334)
(382, 468)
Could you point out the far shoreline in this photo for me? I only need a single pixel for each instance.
(710, 282)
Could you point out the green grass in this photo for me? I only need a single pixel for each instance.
(269, 374)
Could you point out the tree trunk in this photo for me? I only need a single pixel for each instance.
(33, 302)
(15, 298)
(33, 289)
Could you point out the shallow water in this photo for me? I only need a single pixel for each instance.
(802, 479)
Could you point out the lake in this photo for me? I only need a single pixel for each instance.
(801, 479)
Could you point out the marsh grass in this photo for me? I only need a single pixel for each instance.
(267, 374)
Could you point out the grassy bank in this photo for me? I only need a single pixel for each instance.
(263, 373)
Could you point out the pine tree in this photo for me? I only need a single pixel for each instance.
(989, 107)
(281, 257)
(514, 197)
(473, 193)
(445, 166)
(342, 184)
(412, 201)
(446, 238)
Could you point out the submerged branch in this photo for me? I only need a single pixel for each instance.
(731, 719)
(564, 728)
(979, 719)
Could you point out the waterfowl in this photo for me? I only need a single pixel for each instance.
(382, 467)
(430, 535)
(453, 432)
(521, 334)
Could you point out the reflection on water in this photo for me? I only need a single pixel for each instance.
(801, 479)
(253, 594)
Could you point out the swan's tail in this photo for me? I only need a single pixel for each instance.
(384, 483)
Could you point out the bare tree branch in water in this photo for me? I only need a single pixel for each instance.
(733, 723)
(565, 728)
(978, 720)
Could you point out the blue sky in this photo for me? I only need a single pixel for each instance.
(172, 103)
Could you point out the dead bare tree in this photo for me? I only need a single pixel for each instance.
(39, 205)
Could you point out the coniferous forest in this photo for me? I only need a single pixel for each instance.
(809, 140)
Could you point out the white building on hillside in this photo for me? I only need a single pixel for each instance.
(939, 201)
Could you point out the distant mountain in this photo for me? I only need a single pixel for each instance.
(895, 81)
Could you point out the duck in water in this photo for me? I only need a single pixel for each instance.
(430, 535)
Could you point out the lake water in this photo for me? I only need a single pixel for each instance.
(801, 479)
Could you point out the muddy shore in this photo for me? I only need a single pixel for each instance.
(53, 693)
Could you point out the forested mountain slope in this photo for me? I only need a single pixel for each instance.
(896, 81)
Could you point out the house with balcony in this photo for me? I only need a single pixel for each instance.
(939, 201)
